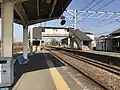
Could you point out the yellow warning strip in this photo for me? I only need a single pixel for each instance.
(57, 78)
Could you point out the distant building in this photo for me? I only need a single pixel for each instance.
(101, 43)
(92, 36)
(82, 41)
(110, 42)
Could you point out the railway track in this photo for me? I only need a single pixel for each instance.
(106, 67)
(112, 69)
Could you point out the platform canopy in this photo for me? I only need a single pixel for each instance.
(35, 11)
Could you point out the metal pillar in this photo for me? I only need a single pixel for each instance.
(7, 9)
(75, 19)
(71, 43)
(25, 42)
(31, 40)
(68, 42)
(75, 27)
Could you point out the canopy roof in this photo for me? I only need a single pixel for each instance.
(81, 35)
(34, 11)
(116, 32)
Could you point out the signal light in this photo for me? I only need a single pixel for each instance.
(62, 22)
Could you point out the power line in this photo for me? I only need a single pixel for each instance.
(88, 4)
(102, 33)
(102, 6)
(111, 22)
(69, 23)
(108, 23)
(96, 4)
(108, 19)
(118, 20)
(105, 5)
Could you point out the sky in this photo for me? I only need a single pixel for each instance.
(96, 26)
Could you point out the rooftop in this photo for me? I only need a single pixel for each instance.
(116, 32)
(81, 35)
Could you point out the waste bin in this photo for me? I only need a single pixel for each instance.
(6, 71)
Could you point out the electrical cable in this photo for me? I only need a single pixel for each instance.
(69, 23)
(116, 20)
(103, 33)
(105, 5)
(96, 4)
(88, 4)
(108, 23)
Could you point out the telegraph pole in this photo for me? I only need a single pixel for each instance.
(75, 19)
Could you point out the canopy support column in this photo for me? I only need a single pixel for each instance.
(25, 42)
(7, 15)
(68, 42)
(7, 28)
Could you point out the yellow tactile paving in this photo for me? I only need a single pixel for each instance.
(57, 78)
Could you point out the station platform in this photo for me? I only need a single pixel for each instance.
(112, 54)
(46, 72)
(105, 53)
(111, 58)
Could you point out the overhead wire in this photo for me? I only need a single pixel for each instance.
(88, 4)
(96, 4)
(91, 3)
(102, 33)
(105, 5)
(108, 23)
(116, 20)
(102, 6)
(69, 23)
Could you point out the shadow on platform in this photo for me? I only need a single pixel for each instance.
(36, 62)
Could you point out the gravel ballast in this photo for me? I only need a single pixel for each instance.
(105, 78)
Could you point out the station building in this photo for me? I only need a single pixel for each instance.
(109, 42)
(80, 39)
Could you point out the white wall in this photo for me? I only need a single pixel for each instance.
(55, 32)
(93, 43)
(100, 45)
(109, 45)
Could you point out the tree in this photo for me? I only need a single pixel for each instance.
(54, 42)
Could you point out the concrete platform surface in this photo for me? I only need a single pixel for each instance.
(113, 54)
(45, 72)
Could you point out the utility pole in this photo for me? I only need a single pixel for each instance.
(75, 19)
(79, 15)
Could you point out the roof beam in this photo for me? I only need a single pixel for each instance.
(38, 10)
(18, 21)
(13, 0)
(41, 20)
(55, 2)
(21, 12)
